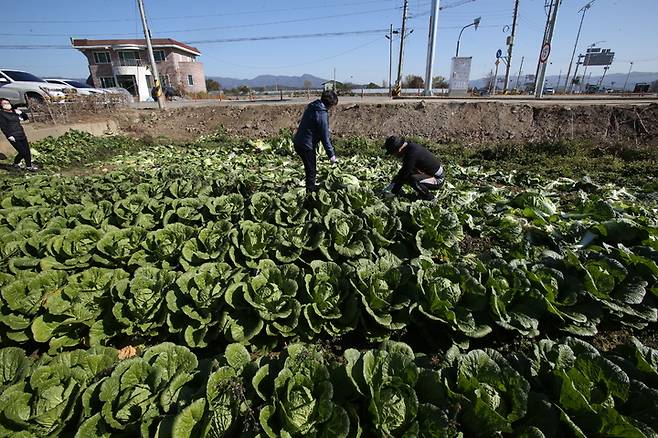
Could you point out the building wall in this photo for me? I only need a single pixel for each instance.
(195, 69)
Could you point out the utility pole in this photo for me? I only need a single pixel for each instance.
(510, 46)
(518, 78)
(431, 46)
(390, 60)
(583, 10)
(546, 48)
(398, 83)
(149, 47)
(628, 76)
(391, 32)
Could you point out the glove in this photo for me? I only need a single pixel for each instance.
(333, 160)
(18, 112)
(11, 138)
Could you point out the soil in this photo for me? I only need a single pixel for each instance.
(470, 123)
(607, 340)
(474, 245)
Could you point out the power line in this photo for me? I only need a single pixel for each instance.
(353, 49)
(33, 46)
(179, 17)
(287, 37)
(232, 40)
(236, 26)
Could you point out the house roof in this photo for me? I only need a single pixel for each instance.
(157, 42)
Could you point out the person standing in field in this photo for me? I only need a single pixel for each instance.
(420, 168)
(313, 129)
(10, 124)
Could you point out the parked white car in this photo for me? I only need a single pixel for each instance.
(20, 87)
(81, 88)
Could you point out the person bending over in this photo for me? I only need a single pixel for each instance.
(420, 168)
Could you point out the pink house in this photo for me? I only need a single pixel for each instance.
(125, 63)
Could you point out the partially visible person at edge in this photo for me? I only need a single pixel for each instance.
(420, 168)
(10, 124)
(313, 129)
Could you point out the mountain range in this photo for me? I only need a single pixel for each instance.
(615, 80)
(271, 81)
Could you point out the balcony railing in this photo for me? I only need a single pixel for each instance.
(130, 63)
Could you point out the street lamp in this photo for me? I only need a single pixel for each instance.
(475, 23)
(583, 10)
(390, 56)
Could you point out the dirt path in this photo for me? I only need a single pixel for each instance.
(472, 123)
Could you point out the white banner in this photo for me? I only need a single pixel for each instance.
(460, 75)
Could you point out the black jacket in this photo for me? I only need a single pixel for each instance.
(10, 124)
(416, 159)
(314, 128)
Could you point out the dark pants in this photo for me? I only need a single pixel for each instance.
(310, 166)
(423, 184)
(23, 148)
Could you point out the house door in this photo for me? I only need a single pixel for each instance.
(129, 83)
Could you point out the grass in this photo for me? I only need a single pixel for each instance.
(624, 165)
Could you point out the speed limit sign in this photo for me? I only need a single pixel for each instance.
(545, 53)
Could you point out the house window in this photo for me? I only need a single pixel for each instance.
(102, 57)
(164, 81)
(108, 82)
(190, 80)
(130, 58)
(159, 55)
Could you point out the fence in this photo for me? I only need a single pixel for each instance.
(76, 106)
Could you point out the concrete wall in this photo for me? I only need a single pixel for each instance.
(36, 133)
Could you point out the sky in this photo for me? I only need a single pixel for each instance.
(628, 27)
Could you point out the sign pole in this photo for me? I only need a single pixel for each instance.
(546, 49)
(495, 81)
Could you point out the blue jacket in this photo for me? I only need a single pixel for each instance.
(314, 128)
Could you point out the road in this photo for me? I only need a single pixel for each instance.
(350, 100)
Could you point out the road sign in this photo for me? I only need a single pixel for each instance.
(499, 54)
(599, 57)
(545, 53)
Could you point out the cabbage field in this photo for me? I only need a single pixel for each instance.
(194, 290)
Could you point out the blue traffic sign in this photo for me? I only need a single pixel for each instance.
(499, 54)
